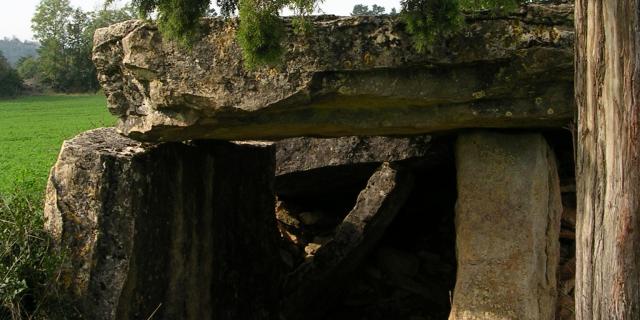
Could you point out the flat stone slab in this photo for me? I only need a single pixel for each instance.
(350, 76)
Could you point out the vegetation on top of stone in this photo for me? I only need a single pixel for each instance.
(261, 32)
(493, 5)
(177, 18)
(426, 20)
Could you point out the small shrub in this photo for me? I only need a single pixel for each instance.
(178, 19)
(492, 5)
(427, 20)
(260, 34)
(27, 267)
(430, 20)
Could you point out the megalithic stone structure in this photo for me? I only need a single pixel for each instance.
(173, 230)
(507, 227)
(186, 230)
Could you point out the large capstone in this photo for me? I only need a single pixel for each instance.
(350, 76)
(507, 227)
(165, 231)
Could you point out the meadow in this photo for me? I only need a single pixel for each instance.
(32, 130)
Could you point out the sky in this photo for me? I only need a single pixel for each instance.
(15, 18)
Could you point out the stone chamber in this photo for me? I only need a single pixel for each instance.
(358, 180)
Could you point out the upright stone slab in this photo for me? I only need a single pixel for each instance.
(173, 230)
(507, 227)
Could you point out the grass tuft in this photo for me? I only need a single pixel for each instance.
(26, 265)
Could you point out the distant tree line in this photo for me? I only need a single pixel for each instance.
(66, 40)
(62, 61)
(13, 49)
(376, 10)
(10, 81)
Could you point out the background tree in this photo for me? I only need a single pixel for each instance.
(377, 10)
(362, 10)
(52, 25)
(108, 15)
(608, 159)
(66, 37)
(81, 76)
(28, 67)
(50, 20)
(10, 82)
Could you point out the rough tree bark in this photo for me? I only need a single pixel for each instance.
(608, 159)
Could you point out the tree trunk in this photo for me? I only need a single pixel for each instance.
(608, 159)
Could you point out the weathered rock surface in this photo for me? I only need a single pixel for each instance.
(318, 165)
(304, 154)
(351, 76)
(316, 284)
(173, 230)
(507, 227)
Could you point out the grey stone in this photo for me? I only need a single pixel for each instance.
(180, 231)
(350, 76)
(319, 165)
(507, 227)
(304, 153)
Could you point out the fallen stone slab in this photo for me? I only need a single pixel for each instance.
(316, 284)
(507, 227)
(165, 231)
(350, 76)
(321, 165)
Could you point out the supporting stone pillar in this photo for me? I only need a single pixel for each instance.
(507, 227)
(173, 230)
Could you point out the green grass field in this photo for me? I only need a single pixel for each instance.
(32, 130)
